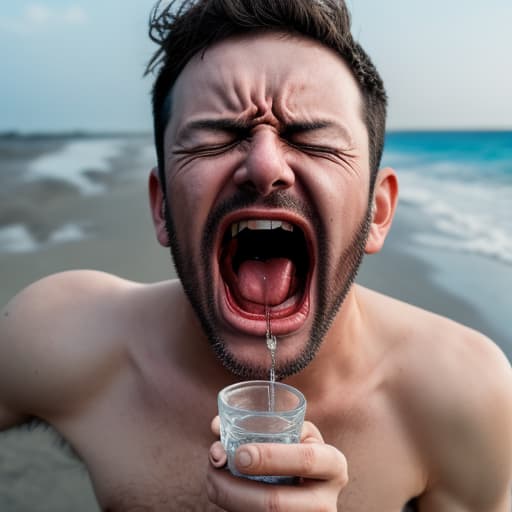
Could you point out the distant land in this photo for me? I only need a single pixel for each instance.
(71, 134)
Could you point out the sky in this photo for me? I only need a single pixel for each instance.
(78, 65)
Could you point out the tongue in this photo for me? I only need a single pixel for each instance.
(266, 282)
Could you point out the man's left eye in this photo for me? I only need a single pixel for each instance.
(313, 148)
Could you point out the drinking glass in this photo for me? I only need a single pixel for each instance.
(260, 411)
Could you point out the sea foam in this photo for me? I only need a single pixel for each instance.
(465, 195)
(472, 217)
(16, 238)
(71, 163)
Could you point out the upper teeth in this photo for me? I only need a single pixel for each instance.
(259, 224)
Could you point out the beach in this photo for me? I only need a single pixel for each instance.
(81, 202)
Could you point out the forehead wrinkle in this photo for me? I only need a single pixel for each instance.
(259, 91)
(224, 90)
(292, 98)
(295, 106)
(283, 104)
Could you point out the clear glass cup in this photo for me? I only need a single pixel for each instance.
(253, 412)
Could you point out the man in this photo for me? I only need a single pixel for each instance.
(269, 122)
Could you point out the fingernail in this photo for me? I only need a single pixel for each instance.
(243, 459)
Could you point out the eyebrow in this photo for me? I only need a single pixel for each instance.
(306, 126)
(224, 125)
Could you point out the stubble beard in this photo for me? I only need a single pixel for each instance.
(333, 285)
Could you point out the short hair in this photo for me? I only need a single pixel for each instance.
(185, 27)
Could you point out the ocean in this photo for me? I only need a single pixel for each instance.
(463, 182)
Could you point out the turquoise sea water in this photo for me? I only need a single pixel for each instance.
(462, 181)
(456, 187)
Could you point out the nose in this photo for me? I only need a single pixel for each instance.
(264, 168)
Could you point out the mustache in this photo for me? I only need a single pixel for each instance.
(247, 198)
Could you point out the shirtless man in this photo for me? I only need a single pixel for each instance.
(267, 115)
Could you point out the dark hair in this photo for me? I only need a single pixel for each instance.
(185, 27)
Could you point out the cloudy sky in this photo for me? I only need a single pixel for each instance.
(78, 64)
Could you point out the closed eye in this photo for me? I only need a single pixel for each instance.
(211, 136)
(312, 148)
(207, 150)
(303, 135)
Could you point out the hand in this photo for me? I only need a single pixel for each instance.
(322, 468)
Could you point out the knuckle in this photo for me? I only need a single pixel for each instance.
(273, 501)
(321, 505)
(308, 458)
(341, 469)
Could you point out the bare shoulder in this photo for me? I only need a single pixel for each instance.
(453, 386)
(424, 337)
(58, 336)
(439, 357)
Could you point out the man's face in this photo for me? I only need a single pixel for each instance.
(268, 191)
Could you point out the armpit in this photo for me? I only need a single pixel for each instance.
(35, 423)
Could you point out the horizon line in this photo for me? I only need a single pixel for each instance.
(78, 132)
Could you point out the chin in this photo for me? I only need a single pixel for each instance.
(252, 351)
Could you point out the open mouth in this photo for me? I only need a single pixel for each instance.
(266, 266)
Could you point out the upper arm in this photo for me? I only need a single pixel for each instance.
(52, 345)
(474, 442)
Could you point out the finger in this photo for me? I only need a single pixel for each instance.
(215, 426)
(308, 460)
(310, 433)
(242, 495)
(217, 455)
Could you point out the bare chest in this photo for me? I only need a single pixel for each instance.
(157, 464)
(153, 470)
(146, 446)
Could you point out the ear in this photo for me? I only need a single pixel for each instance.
(385, 199)
(158, 204)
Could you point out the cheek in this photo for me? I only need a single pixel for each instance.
(197, 186)
(190, 189)
(340, 195)
(191, 197)
(187, 202)
(341, 199)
